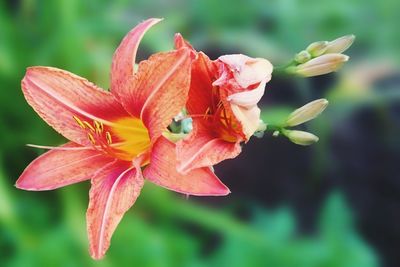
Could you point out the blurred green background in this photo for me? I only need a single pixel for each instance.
(334, 204)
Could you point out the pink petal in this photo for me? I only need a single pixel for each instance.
(57, 96)
(159, 90)
(162, 171)
(123, 63)
(246, 70)
(180, 42)
(201, 149)
(249, 118)
(114, 190)
(57, 168)
(248, 98)
(200, 93)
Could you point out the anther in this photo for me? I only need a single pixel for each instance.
(88, 125)
(99, 127)
(91, 138)
(108, 137)
(79, 122)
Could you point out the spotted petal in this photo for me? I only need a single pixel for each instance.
(114, 190)
(201, 148)
(58, 95)
(123, 63)
(162, 171)
(159, 90)
(60, 167)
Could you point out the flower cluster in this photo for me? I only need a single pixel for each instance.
(167, 121)
(321, 57)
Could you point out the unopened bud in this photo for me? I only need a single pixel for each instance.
(317, 48)
(187, 125)
(301, 137)
(302, 57)
(306, 112)
(340, 44)
(321, 65)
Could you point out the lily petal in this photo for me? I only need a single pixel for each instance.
(180, 42)
(249, 118)
(200, 149)
(246, 70)
(248, 98)
(57, 168)
(159, 90)
(200, 94)
(162, 171)
(57, 96)
(114, 190)
(123, 63)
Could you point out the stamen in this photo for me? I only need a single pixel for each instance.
(59, 147)
(79, 122)
(99, 127)
(89, 125)
(91, 138)
(108, 137)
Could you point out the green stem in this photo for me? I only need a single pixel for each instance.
(273, 128)
(283, 69)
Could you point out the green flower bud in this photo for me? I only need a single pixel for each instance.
(300, 137)
(317, 48)
(302, 57)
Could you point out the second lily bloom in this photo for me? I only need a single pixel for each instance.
(222, 102)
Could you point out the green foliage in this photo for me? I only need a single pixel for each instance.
(156, 233)
(335, 244)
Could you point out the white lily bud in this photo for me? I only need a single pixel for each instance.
(306, 112)
(302, 57)
(340, 44)
(321, 65)
(301, 137)
(317, 48)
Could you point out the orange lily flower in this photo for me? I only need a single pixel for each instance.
(222, 102)
(114, 135)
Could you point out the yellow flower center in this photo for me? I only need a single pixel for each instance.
(124, 138)
(133, 135)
